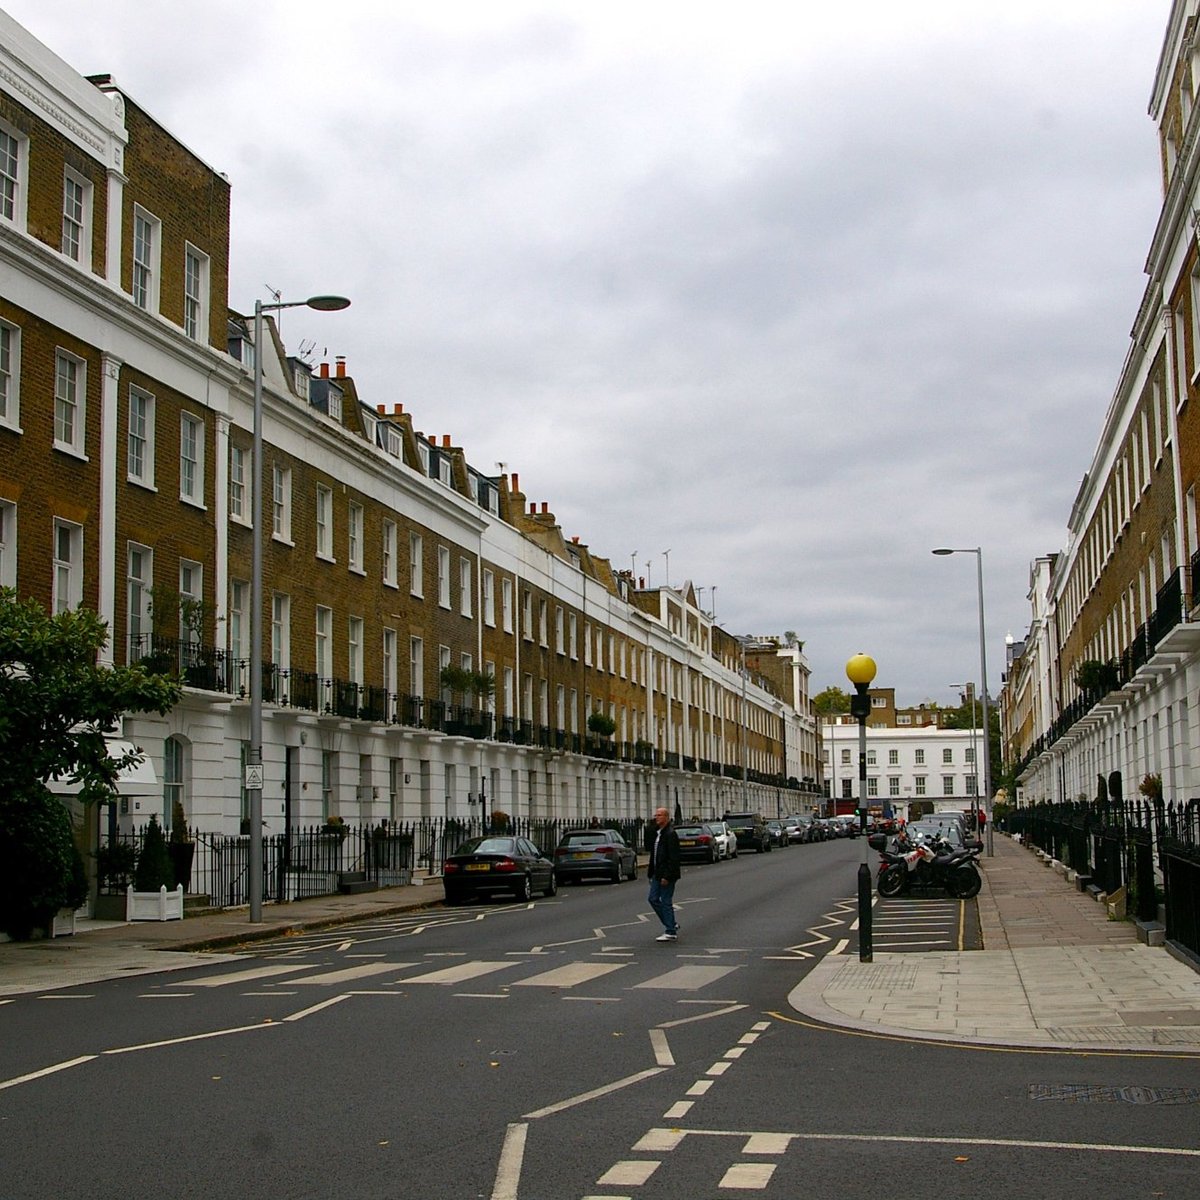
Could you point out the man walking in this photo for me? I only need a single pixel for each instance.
(664, 873)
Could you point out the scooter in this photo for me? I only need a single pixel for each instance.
(926, 865)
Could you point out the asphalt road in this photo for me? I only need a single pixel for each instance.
(552, 1051)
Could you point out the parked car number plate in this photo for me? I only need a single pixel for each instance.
(479, 866)
(581, 854)
(687, 841)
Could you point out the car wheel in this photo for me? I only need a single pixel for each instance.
(633, 874)
(552, 887)
(524, 890)
(712, 857)
(618, 876)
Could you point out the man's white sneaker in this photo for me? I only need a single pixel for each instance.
(666, 937)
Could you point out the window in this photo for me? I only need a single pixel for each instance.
(464, 587)
(947, 785)
(443, 663)
(893, 758)
(239, 630)
(146, 247)
(281, 503)
(489, 599)
(389, 553)
(969, 752)
(443, 576)
(920, 757)
(542, 630)
(323, 649)
(416, 667)
(139, 581)
(195, 294)
(971, 785)
(573, 635)
(324, 517)
(191, 459)
(238, 508)
(527, 615)
(893, 785)
(506, 604)
(70, 391)
(329, 771)
(10, 375)
(390, 675)
(845, 758)
(872, 786)
(68, 566)
(870, 758)
(416, 568)
(879, 702)
(947, 755)
(354, 537)
(333, 401)
(13, 171)
(191, 599)
(173, 788)
(354, 650)
(8, 544)
(77, 218)
(560, 636)
(919, 780)
(508, 692)
(281, 630)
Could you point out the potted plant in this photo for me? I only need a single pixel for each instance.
(601, 724)
(483, 687)
(1151, 787)
(1096, 679)
(181, 848)
(148, 897)
(457, 681)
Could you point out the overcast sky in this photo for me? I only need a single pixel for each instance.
(797, 291)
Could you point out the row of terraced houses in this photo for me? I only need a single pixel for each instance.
(126, 477)
(1107, 677)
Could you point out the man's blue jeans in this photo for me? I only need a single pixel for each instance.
(661, 897)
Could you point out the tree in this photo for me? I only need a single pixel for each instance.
(831, 700)
(56, 701)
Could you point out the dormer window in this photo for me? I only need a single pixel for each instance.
(423, 452)
(335, 404)
(444, 474)
(395, 443)
(300, 381)
(370, 427)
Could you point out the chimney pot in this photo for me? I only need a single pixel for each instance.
(324, 371)
(641, 583)
(339, 369)
(532, 509)
(575, 541)
(446, 441)
(381, 409)
(545, 507)
(516, 485)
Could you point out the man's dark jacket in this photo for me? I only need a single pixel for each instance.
(664, 854)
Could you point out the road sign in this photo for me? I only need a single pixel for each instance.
(254, 777)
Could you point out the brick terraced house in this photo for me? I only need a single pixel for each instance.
(1107, 676)
(126, 485)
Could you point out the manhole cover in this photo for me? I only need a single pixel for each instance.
(1092, 1093)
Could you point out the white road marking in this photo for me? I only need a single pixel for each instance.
(687, 979)
(595, 1094)
(164, 995)
(766, 1143)
(306, 1012)
(842, 944)
(596, 999)
(459, 974)
(212, 981)
(512, 1155)
(194, 1037)
(570, 975)
(346, 945)
(699, 1088)
(720, 1012)
(482, 995)
(62, 1066)
(60, 996)
(349, 974)
(718, 1068)
(748, 1176)
(677, 1111)
(630, 1172)
(662, 1049)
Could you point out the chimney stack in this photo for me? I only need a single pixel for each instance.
(445, 441)
(516, 483)
(324, 371)
(339, 369)
(545, 507)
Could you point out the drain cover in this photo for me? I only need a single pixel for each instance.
(1091, 1093)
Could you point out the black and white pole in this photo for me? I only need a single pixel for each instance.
(860, 670)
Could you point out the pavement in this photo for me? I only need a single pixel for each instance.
(1055, 970)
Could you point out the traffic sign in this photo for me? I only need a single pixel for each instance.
(254, 777)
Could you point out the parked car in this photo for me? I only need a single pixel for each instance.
(804, 829)
(778, 833)
(725, 838)
(696, 843)
(795, 831)
(950, 830)
(594, 852)
(750, 830)
(485, 866)
(847, 825)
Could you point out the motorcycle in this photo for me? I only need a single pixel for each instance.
(926, 865)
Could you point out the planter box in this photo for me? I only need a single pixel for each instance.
(154, 906)
(63, 924)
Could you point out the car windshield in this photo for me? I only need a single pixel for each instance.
(691, 830)
(931, 829)
(488, 845)
(586, 839)
(741, 823)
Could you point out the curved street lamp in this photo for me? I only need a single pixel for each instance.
(254, 772)
(983, 700)
(860, 670)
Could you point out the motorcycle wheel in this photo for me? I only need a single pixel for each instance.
(963, 883)
(892, 881)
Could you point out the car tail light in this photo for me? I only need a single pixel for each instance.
(560, 851)
(449, 868)
(607, 851)
(705, 839)
(505, 864)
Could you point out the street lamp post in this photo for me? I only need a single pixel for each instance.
(987, 736)
(254, 770)
(860, 670)
(969, 689)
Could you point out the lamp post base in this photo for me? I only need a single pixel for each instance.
(866, 950)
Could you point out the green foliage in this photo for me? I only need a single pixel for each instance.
(830, 701)
(602, 724)
(154, 868)
(457, 680)
(1094, 678)
(179, 829)
(115, 865)
(483, 685)
(40, 868)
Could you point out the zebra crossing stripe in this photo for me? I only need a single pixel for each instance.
(349, 974)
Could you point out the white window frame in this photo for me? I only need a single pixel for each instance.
(489, 598)
(390, 667)
(10, 376)
(191, 465)
(391, 541)
(323, 518)
(239, 495)
(573, 636)
(8, 543)
(239, 629)
(191, 587)
(70, 410)
(281, 631)
(68, 567)
(443, 576)
(465, 590)
(139, 443)
(77, 218)
(146, 252)
(14, 175)
(355, 519)
(506, 604)
(354, 650)
(416, 565)
(416, 667)
(195, 293)
(333, 402)
(139, 582)
(560, 632)
(281, 503)
(323, 642)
